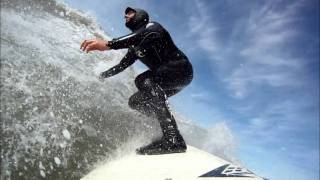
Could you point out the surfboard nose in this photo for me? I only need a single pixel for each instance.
(194, 164)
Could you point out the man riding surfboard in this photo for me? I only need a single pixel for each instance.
(169, 71)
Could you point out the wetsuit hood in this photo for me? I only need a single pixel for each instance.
(141, 18)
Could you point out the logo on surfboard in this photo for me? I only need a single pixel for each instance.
(229, 170)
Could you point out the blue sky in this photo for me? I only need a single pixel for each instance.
(256, 67)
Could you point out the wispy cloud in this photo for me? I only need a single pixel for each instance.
(267, 80)
(203, 28)
(267, 52)
(201, 97)
(257, 51)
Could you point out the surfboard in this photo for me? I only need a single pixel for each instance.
(193, 164)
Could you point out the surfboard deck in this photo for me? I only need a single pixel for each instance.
(193, 164)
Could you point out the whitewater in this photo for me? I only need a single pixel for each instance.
(58, 121)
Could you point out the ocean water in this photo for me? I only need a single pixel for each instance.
(57, 120)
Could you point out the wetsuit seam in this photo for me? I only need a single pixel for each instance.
(157, 54)
(146, 37)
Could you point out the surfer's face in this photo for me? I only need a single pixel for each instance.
(129, 16)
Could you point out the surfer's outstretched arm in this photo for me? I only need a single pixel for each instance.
(126, 61)
(150, 33)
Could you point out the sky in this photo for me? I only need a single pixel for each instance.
(256, 68)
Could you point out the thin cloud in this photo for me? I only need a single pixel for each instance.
(201, 26)
(261, 46)
(266, 54)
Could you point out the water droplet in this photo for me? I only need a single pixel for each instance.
(42, 173)
(41, 165)
(66, 134)
(57, 160)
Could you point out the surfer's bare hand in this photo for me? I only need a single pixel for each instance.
(94, 44)
(101, 77)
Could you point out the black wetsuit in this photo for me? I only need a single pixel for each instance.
(169, 72)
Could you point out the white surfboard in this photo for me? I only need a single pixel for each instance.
(194, 164)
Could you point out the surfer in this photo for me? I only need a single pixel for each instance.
(169, 71)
